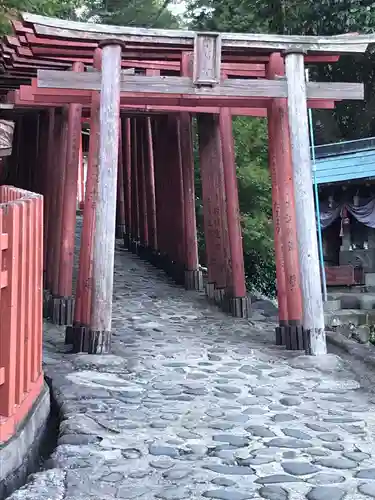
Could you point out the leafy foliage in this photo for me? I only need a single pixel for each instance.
(9, 10)
(226, 15)
(309, 17)
(142, 13)
(254, 190)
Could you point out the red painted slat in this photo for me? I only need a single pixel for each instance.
(21, 305)
(39, 303)
(37, 278)
(8, 310)
(29, 297)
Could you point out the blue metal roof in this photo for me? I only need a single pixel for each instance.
(345, 161)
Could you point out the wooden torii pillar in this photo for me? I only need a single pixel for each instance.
(193, 275)
(78, 334)
(63, 302)
(289, 331)
(150, 191)
(235, 295)
(95, 337)
(312, 301)
(142, 194)
(120, 223)
(214, 210)
(127, 159)
(105, 213)
(160, 191)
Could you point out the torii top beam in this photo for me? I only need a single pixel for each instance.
(46, 43)
(184, 40)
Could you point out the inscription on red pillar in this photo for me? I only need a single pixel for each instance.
(213, 198)
(282, 176)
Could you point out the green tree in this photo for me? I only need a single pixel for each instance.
(254, 189)
(350, 120)
(141, 13)
(10, 9)
(227, 15)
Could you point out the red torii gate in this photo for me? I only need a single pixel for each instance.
(149, 220)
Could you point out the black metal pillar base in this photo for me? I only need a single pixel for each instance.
(210, 291)
(69, 334)
(120, 231)
(291, 335)
(157, 259)
(127, 241)
(99, 342)
(280, 332)
(295, 338)
(194, 280)
(164, 262)
(239, 307)
(178, 273)
(142, 251)
(134, 246)
(47, 297)
(219, 297)
(82, 339)
(168, 266)
(154, 257)
(61, 310)
(74, 334)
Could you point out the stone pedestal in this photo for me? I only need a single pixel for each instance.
(194, 280)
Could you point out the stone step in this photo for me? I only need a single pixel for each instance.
(346, 289)
(370, 279)
(332, 305)
(347, 300)
(367, 301)
(352, 301)
(355, 317)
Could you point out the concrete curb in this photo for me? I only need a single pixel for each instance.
(361, 352)
(20, 456)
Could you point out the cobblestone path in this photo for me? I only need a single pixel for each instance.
(195, 404)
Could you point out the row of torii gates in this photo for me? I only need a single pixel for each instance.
(139, 90)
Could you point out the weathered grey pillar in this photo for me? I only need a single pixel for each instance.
(105, 216)
(313, 313)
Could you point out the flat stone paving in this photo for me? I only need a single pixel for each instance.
(195, 404)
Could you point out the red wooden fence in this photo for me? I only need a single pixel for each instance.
(21, 320)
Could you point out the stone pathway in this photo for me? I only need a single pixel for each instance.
(195, 404)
